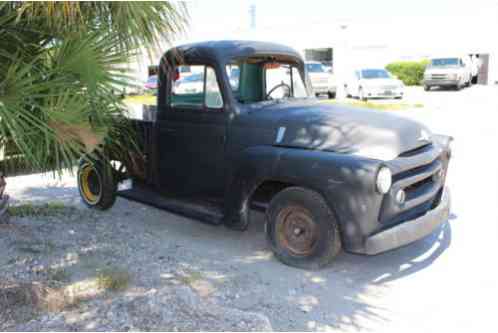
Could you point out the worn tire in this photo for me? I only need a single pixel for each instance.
(96, 184)
(298, 208)
(361, 95)
(346, 91)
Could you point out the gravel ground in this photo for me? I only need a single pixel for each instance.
(75, 249)
(138, 268)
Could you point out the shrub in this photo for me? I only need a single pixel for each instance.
(410, 72)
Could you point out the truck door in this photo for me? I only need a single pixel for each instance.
(192, 128)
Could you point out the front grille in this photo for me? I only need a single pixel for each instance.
(439, 76)
(320, 80)
(421, 179)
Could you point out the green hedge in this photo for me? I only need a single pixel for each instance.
(410, 72)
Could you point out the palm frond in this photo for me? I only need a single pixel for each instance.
(59, 65)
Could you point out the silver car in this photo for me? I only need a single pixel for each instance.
(369, 83)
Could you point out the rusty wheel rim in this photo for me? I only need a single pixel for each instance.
(296, 231)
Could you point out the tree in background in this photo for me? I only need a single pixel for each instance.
(410, 72)
(60, 64)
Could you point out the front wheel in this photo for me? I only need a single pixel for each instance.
(427, 88)
(331, 95)
(301, 229)
(96, 184)
(361, 95)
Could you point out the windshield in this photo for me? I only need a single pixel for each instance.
(315, 68)
(257, 80)
(374, 74)
(445, 62)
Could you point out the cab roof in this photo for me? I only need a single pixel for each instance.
(226, 50)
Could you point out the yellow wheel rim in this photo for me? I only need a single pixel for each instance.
(87, 174)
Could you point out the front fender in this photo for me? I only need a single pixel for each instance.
(346, 182)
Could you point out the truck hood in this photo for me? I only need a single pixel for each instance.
(337, 128)
(443, 70)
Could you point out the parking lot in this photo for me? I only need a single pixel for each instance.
(445, 282)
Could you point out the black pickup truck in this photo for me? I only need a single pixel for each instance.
(242, 131)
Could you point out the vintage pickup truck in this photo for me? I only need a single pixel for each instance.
(243, 131)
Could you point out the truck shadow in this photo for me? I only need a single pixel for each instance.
(349, 292)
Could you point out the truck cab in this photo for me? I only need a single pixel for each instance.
(248, 133)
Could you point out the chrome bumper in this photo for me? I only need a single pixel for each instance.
(441, 82)
(410, 231)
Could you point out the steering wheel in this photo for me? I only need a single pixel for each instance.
(282, 84)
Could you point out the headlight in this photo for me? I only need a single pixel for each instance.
(384, 180)
(453, 76)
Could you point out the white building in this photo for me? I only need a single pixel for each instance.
(364, 38)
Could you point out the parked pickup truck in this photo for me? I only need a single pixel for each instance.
(450, 72)
(322, 81)
(327, 176)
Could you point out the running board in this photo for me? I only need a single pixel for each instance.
(203, 211)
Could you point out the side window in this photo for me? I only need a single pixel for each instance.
(187, 88)
(213, 94)
(195, 88)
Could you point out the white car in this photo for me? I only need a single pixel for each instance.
(191, 84)
(374, 83)
(322, 81)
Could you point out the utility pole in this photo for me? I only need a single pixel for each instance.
(252, 15)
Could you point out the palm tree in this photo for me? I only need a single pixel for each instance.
(60, 63)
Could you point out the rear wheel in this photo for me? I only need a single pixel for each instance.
(301, 229)
(96, 184)
(331, 94)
